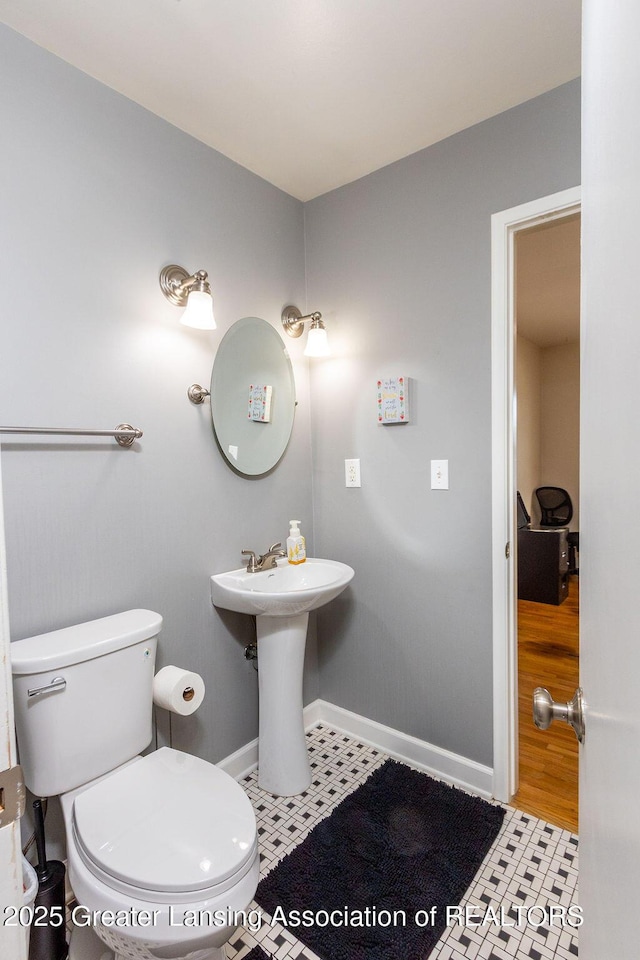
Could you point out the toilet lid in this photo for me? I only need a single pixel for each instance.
(168, 822)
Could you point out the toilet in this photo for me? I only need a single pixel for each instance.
(162, 850)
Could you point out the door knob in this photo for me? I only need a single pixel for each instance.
(546, 710)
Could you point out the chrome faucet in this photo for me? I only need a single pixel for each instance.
(267, 560)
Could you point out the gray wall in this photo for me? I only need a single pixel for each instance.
(97, 196)
(399, 264)
(560, 414)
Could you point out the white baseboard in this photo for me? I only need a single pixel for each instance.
(242, 762)
(425, 756)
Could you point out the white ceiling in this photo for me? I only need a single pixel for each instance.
(548, 282)
(311, 94)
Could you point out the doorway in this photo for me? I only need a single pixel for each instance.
(505, 226)
(547, 391)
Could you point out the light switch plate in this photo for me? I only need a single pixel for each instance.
(439, 474)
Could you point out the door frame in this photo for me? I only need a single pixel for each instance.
(504, 225)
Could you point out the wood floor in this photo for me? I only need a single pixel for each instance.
(548, 657)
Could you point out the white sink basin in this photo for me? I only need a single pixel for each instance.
(284, 591)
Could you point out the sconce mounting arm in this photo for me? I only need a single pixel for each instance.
(293, 321)
(177, 284)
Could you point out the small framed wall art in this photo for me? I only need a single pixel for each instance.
(393, 400)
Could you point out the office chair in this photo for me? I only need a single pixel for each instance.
(556, 510)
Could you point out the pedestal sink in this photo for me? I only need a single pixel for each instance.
(281, 599)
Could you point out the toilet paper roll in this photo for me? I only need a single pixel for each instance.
(178, 690)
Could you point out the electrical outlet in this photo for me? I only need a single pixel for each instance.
(439, 474)
(352, 473)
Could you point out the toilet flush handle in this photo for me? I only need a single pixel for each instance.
(58, 683)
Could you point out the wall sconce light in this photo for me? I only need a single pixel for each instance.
(293, 323)
(191, 291)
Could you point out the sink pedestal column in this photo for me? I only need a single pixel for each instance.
(283, 762)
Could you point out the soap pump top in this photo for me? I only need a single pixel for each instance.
(296, 549)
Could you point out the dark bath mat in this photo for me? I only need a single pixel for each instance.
(398, 846)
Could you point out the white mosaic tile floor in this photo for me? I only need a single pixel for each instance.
(531, 865)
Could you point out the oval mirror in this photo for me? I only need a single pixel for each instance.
(253, 397)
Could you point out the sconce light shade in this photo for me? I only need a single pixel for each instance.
(190, 290)
(317, 342)
(199, 312)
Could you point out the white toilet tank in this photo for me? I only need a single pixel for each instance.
(83, 699)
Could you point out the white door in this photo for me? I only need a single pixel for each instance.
(610, 471)
(610, 489)
(12, 936)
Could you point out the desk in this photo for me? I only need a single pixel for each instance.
(543, 565)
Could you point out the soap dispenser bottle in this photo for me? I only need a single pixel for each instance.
(296, 549)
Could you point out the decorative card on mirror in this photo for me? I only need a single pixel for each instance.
(260, 402)
(393, 400)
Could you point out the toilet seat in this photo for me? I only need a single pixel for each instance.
(168, 827)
